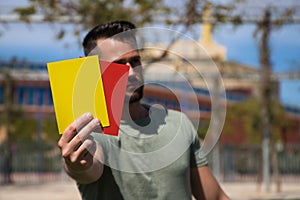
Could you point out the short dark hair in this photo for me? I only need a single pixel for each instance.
(108, 30)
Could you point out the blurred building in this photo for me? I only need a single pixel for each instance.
(184, 80)
(30, 90)
(195, 67)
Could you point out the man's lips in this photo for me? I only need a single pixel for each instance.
(133, 86)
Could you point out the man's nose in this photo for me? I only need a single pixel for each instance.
(128, 63)
(132, 69)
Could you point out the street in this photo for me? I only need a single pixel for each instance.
(65, 189)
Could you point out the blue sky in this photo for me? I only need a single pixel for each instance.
(242, 47)
(37, 43)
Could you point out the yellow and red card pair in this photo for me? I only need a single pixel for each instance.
(88, 85)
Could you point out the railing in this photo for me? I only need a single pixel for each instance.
(238, 164)
(26, 164)
(243, 163)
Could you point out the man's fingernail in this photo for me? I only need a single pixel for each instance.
(96, 121)
(89, 115)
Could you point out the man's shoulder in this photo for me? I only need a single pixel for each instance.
(175, 112)
(177, 115)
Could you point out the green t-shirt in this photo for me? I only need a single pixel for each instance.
(150, 159)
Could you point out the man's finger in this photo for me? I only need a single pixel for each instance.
(73, 129)
(83, 150)
(84, 133)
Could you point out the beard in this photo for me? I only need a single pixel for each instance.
(137, 95)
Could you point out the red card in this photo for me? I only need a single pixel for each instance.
(114, 77)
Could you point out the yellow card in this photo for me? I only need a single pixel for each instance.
(77, 88)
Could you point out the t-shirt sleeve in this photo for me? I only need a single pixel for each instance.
(197, 157)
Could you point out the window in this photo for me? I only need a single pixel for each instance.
(20, 95)
(30, 99)
(1, 95)
(40, 96)
(50, 100)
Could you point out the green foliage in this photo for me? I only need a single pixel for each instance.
(25, 129)
(50, 130)
(24, 13)
(248, 115)
(203, 127)
(85, 14)
(89, 13)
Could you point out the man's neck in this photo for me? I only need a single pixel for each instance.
(135, 111)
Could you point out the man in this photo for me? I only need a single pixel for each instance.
(157, 153)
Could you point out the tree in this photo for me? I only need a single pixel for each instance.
(7, 119)
(88, 13)
(265, 18)
(248, 115)
(49, 128)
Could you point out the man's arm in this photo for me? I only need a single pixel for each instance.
(81, 154)
(205, 186)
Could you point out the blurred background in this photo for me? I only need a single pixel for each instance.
(254, 44)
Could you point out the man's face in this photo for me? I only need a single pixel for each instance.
(125, 53)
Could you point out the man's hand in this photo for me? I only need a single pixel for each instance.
(80, 152)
